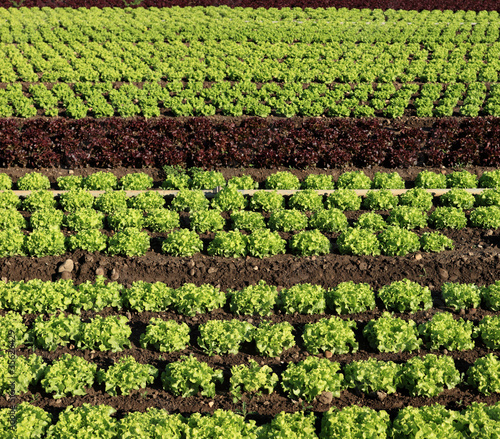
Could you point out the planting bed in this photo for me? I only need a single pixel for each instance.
(475, 259)
(264, 406)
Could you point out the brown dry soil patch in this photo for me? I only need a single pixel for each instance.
(475, 259)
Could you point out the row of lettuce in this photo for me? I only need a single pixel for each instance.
(128, 215)
(426, 376)
(102, 100)
(219, 337)
(226, 61)
(213, 143)
(306, 211)
(279, 51)
(177, 178)
(476, 421)
(262, 299)
(261, 243)
(229, 198)
(223, 23)
(79, 210)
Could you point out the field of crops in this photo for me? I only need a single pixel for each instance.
(320, 62)
(249, 220)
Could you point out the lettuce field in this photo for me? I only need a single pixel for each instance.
(247, 219)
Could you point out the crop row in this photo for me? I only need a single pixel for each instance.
(230, 61)
(425, 376)
(211, 143)
(230, 198)
(410, 422)
(261, 243)
(195, 178)
(124, 61)
(370, 234)
(85, 210)
(333, 334)
(62, 50)
(309, 25)
(244, 99)
(446, 6)
(205, 220)
(37, 296)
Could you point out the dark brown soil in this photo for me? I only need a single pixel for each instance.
(475, 259)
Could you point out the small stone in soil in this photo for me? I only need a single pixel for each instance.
(443, 273)
(68, 266)
(115, 274)
(99, 271)
(325, 398)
